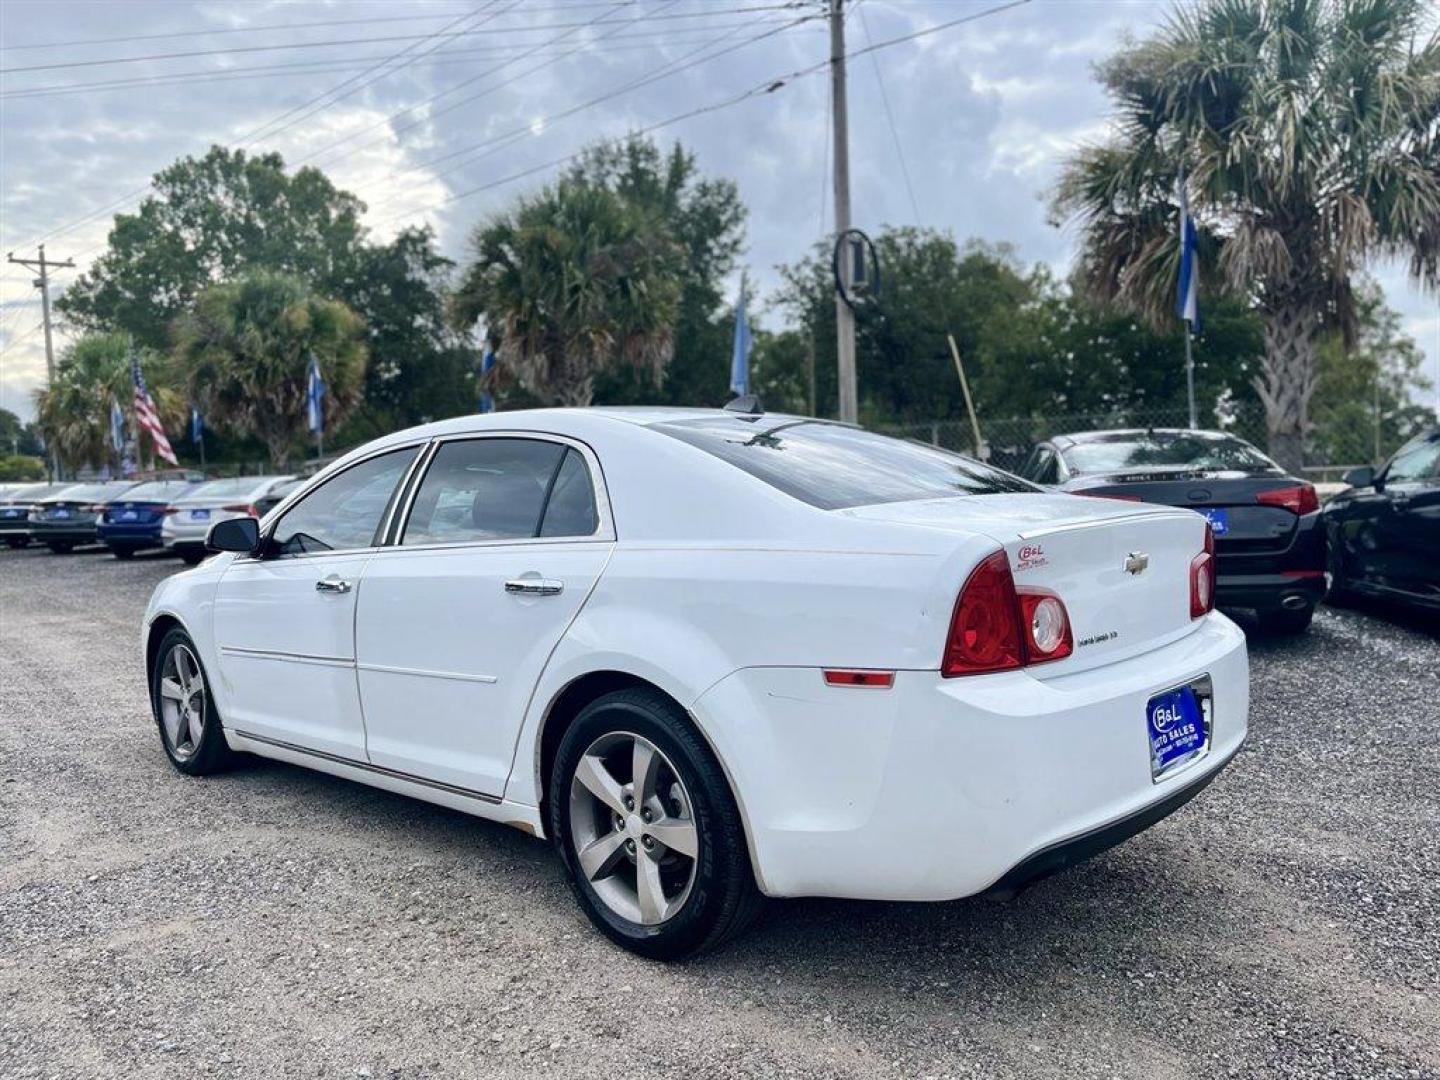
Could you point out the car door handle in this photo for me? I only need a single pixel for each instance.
(534, 586)
(332, 584)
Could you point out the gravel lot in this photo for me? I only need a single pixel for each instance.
(276, 922)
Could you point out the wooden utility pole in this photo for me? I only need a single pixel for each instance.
(844, 317)
(44, 266)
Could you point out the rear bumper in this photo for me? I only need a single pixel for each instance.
(132, 536)
(1290, 577)
(941, 788)
(14, 526)
(69, 532)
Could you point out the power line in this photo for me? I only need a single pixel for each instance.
(890, 117)
(765, 88)
(389, 121)
(139, 192)
(680, 64)
(199, 76)
(359, 41)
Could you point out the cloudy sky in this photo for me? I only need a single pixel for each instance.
(427, 108)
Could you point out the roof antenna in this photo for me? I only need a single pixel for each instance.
(749, 404)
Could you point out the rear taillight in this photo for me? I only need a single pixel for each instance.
(1202, 577)
(241, 508)
(1300, 499)
(996, 628)
(170, 510)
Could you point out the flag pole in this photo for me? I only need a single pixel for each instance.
(1190, 375)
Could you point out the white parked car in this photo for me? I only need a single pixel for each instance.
(715, 655)
(188, 519)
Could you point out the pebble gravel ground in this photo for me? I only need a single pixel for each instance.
(274, 922)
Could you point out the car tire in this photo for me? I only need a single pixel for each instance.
(192, 558)
(1280, 622)
(61, 547)
(180, 701)
(123, 552)
(705, 898)
(1339, 592)
(16, 542)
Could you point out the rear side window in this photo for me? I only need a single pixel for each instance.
(834, 467)
(497, 489)
(345, 512)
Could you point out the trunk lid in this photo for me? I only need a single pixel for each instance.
(1248, 526)
(1121, 569)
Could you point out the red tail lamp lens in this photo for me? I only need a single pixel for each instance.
(1298, 500)
(1202, 577)
(985, 628)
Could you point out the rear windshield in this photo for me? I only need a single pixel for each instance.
(834, 467)
(84, 493)
(153, 491)
(1197, 449)
(225, 489)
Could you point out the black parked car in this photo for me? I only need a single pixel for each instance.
(66, 520)
(16, 501)
(1269, 540)
(1384, 530)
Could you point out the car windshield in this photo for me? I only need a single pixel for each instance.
(153, 491)
(1195, 449)
(835, 467)
(225, 489)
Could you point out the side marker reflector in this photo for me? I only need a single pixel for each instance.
(881, 680)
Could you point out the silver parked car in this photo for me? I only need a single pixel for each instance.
(189, 518)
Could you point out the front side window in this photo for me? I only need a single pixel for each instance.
(345, 512)
(1412, 465)
(501, 489)
(833, 466)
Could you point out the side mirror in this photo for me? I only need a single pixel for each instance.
(234, 534)
(1362, 477)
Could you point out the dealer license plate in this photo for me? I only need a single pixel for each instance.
(199, 515)
(1219, 521)
(1178, 725)
(62, 513)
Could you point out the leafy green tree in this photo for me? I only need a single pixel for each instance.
(15, 467)
(215, 218)
(93, 373)
(570, 283)
(1308, 135)
(244, 352)
(17, 437)
(1363, 409)
(706, 218)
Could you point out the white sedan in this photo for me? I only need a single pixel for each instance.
(715, 656)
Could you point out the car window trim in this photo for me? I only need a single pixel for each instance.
(324, 477)
(605, 524)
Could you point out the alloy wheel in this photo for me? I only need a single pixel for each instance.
(182, 701)
(633, 829)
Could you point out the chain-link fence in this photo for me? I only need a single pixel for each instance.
(1337, 441)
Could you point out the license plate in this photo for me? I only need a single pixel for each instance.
(10, 513)
(199, 515)
(1178, 725)
(62, 513)
(1219, 521)
(127, 515)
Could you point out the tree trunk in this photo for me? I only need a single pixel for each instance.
(1286, 381)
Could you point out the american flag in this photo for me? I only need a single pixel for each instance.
(146, 418)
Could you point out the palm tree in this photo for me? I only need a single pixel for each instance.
(572, 282)
(1308, 136)
(245, 349)
(92, 373)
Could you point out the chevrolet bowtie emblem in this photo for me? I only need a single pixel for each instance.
(1136, 562)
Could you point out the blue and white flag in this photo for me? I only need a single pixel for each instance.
(117, 427)
(487, 365)
(314, 399)
(197, 426)
(1187, 293)
(740, 353)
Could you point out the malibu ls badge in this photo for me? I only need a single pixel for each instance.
(1136, 562)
